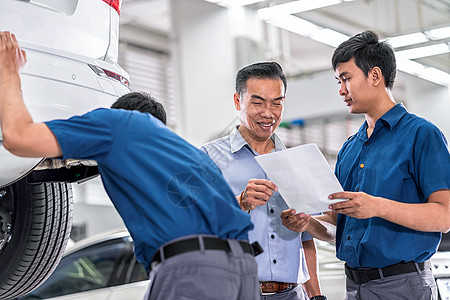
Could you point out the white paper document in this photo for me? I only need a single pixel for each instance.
(303, 176)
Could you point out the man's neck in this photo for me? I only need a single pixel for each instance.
(262, 146)
(372, 116)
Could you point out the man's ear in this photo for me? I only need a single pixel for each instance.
(237, 101)
(376, 75)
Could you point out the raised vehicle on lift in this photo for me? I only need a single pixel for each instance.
(72, 52)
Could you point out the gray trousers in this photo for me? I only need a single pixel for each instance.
(206, 275)
(297, 293)
(409, 286)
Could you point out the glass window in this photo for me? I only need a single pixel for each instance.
(84, 270)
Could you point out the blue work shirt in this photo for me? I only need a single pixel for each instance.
(162, 187)
(283, 258)
(405, 159)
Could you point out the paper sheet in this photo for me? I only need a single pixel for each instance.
(303, 176)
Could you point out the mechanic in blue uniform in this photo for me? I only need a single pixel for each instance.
(185, 222)
(395, 171)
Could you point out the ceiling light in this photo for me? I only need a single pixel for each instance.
(296, 25)
(439, 33)
(329, 37)
(407, 39)
(424, 51)
(436, 76)
(234, 3)
(409, 66)
(419, 70)
(295, 7)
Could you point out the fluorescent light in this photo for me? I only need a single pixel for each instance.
(234, 3)
(409, 66)
(296, 25)
(407, 39)
(439, 33)
(295, 7)
(424, 51)
(436, 76)
(329, 37)
(419, 70)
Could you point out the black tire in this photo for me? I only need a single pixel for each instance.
(41, 220)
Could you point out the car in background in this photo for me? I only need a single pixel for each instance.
(102, 267)
(72, 52)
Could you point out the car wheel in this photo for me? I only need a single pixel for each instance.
(35, 224)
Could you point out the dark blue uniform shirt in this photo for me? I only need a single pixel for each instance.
(405, 159)
(162, 186)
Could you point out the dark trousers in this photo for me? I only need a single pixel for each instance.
(410, 286)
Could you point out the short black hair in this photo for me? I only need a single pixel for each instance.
(260, 70)
(142, 102)
(368, 53)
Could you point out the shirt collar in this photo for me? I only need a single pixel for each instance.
(237, 141)
(390, 118)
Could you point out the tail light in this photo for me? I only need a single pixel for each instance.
(114, 4)
(104, 72)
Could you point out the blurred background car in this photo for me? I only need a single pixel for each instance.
(102, 267)
(72, 51)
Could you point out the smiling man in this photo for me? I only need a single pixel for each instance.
(395, 173)
(287, 257)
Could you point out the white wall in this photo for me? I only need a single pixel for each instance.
(313, 96)
(430, 101)
(204, 69)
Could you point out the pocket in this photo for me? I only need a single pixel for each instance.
(398, 287)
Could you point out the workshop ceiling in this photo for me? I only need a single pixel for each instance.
(390, 18)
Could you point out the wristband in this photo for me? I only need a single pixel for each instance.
(321, 297)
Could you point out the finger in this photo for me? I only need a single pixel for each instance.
(341, 205)
(287, 213)
(24, 55)
(342, 195)
(251, 195)
(258, 203)
(264, 182)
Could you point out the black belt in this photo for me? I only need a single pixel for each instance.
(361, 275)
(193, 244)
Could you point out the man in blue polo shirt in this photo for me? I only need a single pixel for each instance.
(185, 222)
(396, 174)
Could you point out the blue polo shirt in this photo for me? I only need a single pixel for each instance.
(162, 186)
(405, 159)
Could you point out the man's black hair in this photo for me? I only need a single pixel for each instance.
(368, 53)
(142, 102)
(261, 70)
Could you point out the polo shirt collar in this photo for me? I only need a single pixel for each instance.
(390, 118)
(237, 142)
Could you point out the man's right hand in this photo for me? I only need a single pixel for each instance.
(257, 192)
(295, 222)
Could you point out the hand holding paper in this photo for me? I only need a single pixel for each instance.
(303, 176)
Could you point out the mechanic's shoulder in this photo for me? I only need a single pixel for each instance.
(225, 140)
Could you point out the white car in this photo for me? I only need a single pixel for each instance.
(102, 267)
(72, 51)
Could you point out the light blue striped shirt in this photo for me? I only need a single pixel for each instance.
(283, 258)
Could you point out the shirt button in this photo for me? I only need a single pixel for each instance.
(272, 211)
(272, 236)
(357, 189)
(348, 237)
(274, 261)
(361, 166)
